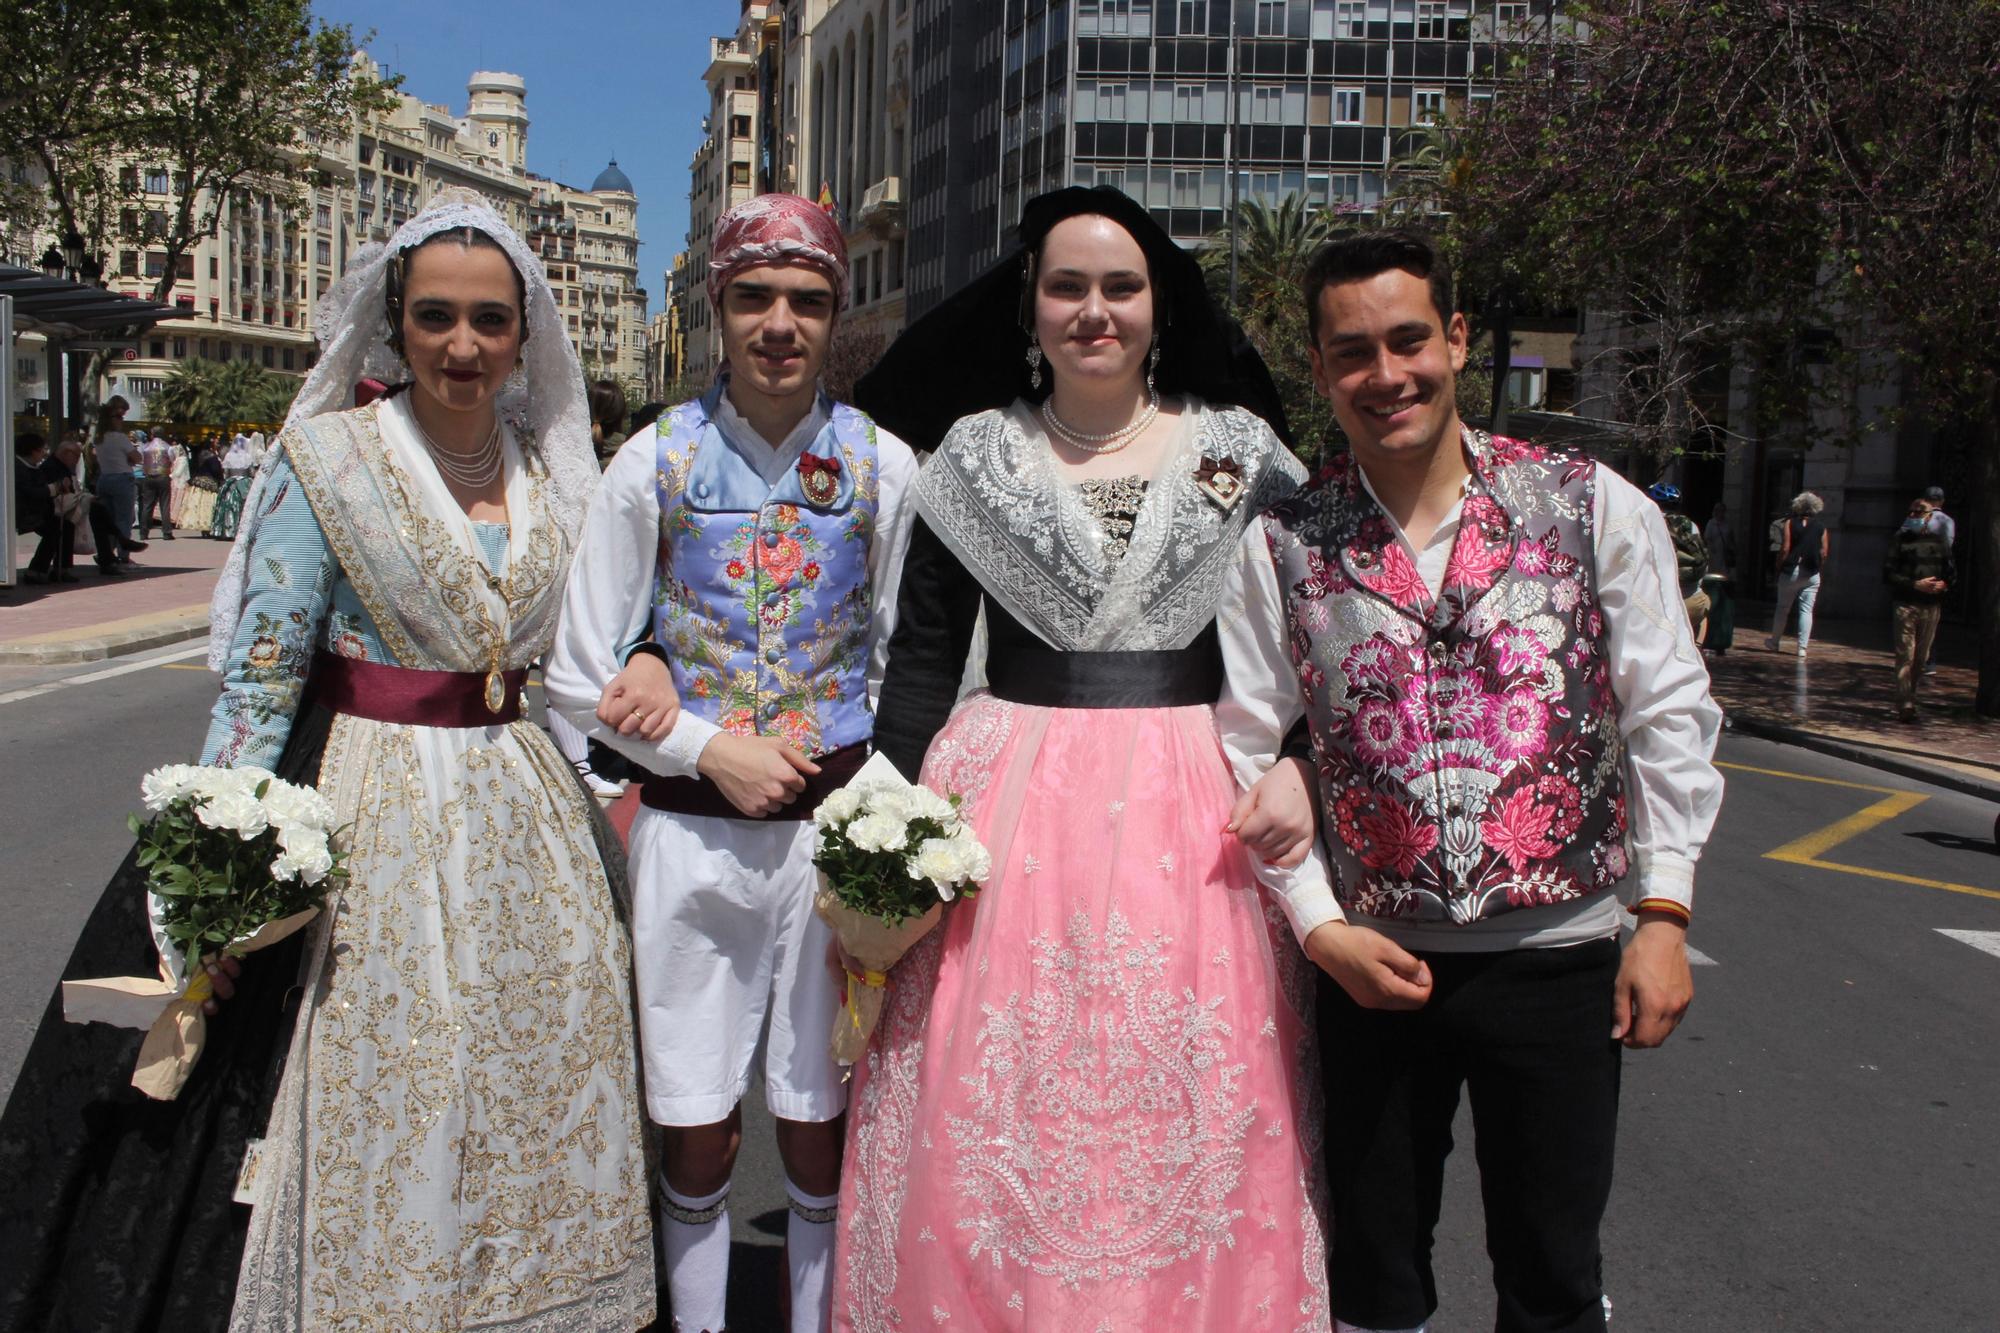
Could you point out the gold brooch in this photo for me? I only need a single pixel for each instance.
(1221, 480)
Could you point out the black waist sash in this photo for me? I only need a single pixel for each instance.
(1167, 678)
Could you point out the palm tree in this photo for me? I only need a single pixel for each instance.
(1273, 247)
(191, 394)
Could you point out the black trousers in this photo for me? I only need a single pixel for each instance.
(1527, 1034)
(53, 553)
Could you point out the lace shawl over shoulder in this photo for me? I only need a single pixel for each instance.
(993, 496)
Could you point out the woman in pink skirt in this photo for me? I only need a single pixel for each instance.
(1088, 1102)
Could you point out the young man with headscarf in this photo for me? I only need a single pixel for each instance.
(1510, 724)
(750, 544)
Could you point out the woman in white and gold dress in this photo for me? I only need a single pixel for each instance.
(455, 1141)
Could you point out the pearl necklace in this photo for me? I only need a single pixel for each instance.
(1110, 442)
(474, 471)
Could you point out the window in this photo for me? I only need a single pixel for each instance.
(156, 264)
(1193, 17)
(290, 359)
(270, 357)
(184, 267)
(739, 173)
(1430, 20)
(1186, 190)
(739, 126)
(1270, 18)
(1111, 102)
(1347, 106)
(157, 349)
(128, 264)
(1426, 105)
(1510, 14)
(181, 344)
(156, 180)
(1266, 105)
(1346, 189)
(323, 252)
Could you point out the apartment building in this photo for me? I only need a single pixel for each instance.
(733, 161)
(588, 242)
(1013, 97)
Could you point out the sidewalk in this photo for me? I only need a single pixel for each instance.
(1841, 700)
(163, 599)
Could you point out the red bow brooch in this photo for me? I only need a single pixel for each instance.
(819, 479)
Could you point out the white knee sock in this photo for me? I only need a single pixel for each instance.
(695, 1235)
(809, 1243)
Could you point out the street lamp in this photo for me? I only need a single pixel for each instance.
(52, 262)
(72, 251)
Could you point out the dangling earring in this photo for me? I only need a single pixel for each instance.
(1034, 363)
(1152, 365)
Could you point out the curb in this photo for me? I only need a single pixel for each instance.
(1867, 755)
(97, 647)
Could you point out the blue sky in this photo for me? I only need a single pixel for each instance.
(609, 78)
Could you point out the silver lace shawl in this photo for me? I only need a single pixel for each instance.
(994, 497)
(544, 400)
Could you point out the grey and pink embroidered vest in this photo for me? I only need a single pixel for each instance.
(1469, 755)
(762, 597)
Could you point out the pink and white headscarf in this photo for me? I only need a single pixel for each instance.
(776, 229)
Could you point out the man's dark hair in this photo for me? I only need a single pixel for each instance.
(607, 404)
(26, 443)
(1357, 255)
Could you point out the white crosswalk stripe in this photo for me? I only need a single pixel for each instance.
(1986, 941)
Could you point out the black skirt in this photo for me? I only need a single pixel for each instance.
(117, 1211)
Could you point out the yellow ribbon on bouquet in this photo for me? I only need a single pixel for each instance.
(867, 977)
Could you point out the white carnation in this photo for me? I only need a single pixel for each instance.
(229, 781)
(308, 863)
(894, 802)
(235, 812)
(165, 785)
(839, 807)
(977, 860)
(878, 833)
(289, 806)
(927, 804)
(942, 862)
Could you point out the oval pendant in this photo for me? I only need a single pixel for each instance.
(496, 692)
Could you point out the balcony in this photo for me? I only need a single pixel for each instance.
(881, 211)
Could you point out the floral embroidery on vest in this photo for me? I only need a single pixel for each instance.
(763, 600)
(1468, 744)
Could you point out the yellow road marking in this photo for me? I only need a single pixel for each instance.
(1811, 850)
(183, 666)
(1803, 777)
(1806, 850)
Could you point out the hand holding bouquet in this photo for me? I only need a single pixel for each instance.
(890, 856)
(236, 861)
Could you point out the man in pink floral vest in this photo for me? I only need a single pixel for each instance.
(1511, 724)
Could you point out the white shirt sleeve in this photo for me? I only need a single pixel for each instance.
(1260, 703)
(1669, 721)
(608, 606)
(894, 514)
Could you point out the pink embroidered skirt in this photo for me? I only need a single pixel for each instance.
(1092, 1100)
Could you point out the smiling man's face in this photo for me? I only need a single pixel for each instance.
(777, 323)
(1389, 365)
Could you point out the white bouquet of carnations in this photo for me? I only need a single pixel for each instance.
(236, 860)
(890, 856)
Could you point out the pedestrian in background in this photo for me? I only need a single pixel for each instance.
(35, 513)
(197, 504)
(607, 418)
(1802, 550)
(1720, 582)
(1690, 554)
(1919, 571)
(117, 469)
(156, 483)
(237, 465)
(1945, 524)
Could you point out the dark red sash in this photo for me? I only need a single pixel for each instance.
(411, 697)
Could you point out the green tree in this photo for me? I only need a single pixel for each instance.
(1761, 183)
(199, 392)
(1273, 247)
(218, 94)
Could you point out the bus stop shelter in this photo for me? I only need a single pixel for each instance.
(73, 316)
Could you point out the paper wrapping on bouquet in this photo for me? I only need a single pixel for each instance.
(171, 1014)
(873, 946)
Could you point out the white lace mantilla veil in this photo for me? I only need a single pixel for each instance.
(544, 401)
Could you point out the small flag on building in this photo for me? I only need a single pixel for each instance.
(826, 199)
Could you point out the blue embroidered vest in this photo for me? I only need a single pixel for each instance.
(761, 596)
(1470, 760)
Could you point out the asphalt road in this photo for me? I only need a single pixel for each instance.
(1818, 1148)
